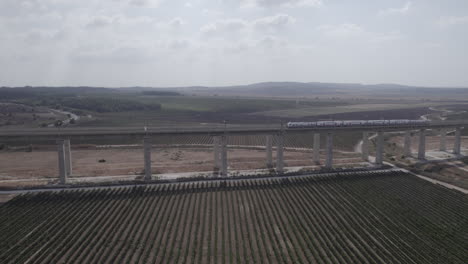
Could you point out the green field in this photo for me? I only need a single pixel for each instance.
(389, 217)
(347, 108)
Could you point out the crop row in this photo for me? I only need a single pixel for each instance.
(389, 217)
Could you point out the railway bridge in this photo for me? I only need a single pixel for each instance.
(220, 134)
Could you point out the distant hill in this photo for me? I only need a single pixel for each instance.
(311, 89)
(267, 89)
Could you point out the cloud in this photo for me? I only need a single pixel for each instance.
(99, 22)
(211, 12)
(271, 42)
(271, 23)
(145, 3)
(178, 44)
(176, 22)
(264, 24)
(120, 54)
(281, 3)
(353, 31)
(17, 7)
(262, 45)
(452, 21)
(342, 31)
(392, 11)
(224, 26)
(385, 37)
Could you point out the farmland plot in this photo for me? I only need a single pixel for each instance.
(372, 217)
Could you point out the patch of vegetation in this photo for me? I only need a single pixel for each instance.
(103, 104)
(465, 160)
(161, 93)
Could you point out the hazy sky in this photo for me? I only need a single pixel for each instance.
(223, 42)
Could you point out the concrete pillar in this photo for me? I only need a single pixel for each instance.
(443, 140)
(68, 157)
(380, 148)
(316, 155)
(147, 156)
(279, 153)
(329, 151)
(62, 161)
(269, 150)
(457, 143)
(217, 153)
(365, 146)
(224, 162)
(422, 145)
(407, 144)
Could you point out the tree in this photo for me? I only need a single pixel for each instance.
(58, 123)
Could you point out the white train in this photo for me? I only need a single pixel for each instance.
(356, 123)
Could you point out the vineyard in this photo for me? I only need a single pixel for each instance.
(373, 217)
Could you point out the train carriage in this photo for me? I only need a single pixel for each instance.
(356, 123)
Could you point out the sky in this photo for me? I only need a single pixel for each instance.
(163, 43)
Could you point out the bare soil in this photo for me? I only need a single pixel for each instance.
(450, 171)
(38, 167)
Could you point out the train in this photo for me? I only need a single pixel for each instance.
(357, 123)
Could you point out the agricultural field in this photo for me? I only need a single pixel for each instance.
(98, 107)
(352, 109)
(373, 217)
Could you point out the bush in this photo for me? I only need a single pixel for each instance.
(102, 104)
(161, 93)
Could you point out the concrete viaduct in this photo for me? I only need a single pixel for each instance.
(220, 136)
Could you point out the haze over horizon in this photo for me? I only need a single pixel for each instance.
(246, 85)
(161, 43)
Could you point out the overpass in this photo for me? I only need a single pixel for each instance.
(220, 134)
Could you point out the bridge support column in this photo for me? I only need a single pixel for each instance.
(316, 154)
(68, 157)
(457, 143)
(407, 144)
(269, 151)
(365, 146)
(443, 140)
(147, 157)
(279, 153)
(329, 146)
(380, 148)
(62, 161)
(224, 161)
(217, 153)
(422, 145)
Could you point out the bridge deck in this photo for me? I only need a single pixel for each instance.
(211, 130)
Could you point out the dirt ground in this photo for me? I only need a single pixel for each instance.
(41, 166)
(453, 171)
(432, 142)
